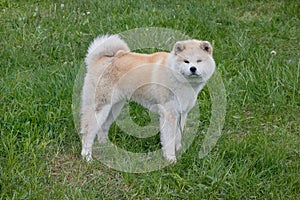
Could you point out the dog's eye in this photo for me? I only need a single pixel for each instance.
(198, 61)
(186, 61)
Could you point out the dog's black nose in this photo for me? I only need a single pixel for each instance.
(193, 69)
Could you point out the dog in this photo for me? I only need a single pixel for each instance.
(165, 83)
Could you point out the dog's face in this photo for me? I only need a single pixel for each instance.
(193, 59)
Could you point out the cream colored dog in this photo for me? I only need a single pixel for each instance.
(165, 83)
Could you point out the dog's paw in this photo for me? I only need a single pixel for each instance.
(86, 155)
(171, 159)
(87, 158)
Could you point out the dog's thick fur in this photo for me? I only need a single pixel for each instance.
(165, 83)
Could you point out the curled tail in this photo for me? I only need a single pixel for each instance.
(107, 45)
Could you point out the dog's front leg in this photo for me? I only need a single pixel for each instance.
(168, 129)
(180, 127)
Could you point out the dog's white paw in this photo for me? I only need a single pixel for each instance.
(86, 155)
(171, 159)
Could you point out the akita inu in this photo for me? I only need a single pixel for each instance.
(165, 83)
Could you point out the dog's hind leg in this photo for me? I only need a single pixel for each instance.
(92, 128)
(113, 114)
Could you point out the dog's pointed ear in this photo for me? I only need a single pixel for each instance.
(206, 46)
(178, 47)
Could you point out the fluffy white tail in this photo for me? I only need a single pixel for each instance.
(107, 45)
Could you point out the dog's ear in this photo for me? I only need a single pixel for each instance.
(178, 47)
(206, 46)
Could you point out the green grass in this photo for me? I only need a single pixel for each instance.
(258, 154)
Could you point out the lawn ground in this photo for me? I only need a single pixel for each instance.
(43, 45)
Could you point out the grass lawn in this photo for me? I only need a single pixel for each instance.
(43, 45)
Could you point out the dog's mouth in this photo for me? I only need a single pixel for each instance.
(194, 75)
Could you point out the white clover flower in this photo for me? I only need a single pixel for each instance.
(273, 53)
(62, 6)
(36, 10)
(88, 12)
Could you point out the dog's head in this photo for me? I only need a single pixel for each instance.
(193, 59)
